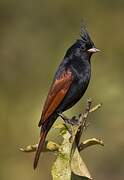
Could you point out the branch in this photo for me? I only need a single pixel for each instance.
(69, 164)
(49, 146)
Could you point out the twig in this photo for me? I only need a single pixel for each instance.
(83, 122)
(90, 142)
(49, 146)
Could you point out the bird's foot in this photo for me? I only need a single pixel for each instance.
(69, 124)
(73, 121)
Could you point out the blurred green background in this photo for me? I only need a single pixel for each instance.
(34, 36)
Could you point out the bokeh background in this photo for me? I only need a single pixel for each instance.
(34, 36)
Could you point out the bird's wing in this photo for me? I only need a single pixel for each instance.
(56, 94)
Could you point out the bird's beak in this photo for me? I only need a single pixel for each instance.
(93, 50)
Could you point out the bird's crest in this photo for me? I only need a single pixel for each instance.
(84, 34)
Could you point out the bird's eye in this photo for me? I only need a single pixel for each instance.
(88, 45)
(85, 46)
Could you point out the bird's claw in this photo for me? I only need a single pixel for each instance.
(73, 121)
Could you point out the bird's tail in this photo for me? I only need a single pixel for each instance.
(44, 130)
(40, 146)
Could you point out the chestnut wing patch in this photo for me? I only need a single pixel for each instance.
(56, 94)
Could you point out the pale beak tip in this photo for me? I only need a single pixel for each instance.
(93, 50)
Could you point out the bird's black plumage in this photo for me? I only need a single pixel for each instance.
(70, 83)
(79, 64)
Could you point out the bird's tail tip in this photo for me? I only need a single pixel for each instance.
(39, 149)
(34, 166)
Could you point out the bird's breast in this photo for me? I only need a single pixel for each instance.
(81, 71)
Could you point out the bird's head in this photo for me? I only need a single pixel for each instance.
(82, 47)
(86, 44)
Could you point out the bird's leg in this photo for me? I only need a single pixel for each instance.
(65, 118)
(69, 124)
(73, 121)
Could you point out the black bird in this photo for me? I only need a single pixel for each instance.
(69, 85)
